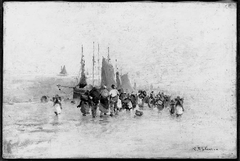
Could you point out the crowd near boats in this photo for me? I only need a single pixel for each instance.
(114, 93)
(115, 100)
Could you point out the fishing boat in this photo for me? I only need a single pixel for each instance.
(80, 89)
(63, 71)
(126, 85)
(107, 74)
(107, 77)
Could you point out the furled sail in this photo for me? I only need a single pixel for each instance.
(83, 80)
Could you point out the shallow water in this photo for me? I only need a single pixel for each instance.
(31, 130)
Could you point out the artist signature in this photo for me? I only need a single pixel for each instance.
(203, 148)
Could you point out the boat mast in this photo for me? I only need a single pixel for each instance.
(108, 55)
(116, 65)
(98, 67)
(93, 64)
(81, 65)
(135, 85)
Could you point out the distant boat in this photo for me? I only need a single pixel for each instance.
(63, 71)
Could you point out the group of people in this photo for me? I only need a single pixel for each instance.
(161, 101)
(115, 100)
(112, 101)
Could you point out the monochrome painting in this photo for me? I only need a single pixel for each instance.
(119, 80)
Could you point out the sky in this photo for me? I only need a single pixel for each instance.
(153, 42)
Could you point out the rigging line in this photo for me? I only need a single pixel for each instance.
(98, 66)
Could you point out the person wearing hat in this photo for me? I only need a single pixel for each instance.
(113, 99)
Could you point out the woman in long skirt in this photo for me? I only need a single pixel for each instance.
(57, 104)
(179, 106)
(104, 101)
(179, 111)
(103, 106)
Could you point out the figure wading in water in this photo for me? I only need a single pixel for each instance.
(114, 95)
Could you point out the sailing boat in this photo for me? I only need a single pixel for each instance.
(126, 85)
(123, 81)
(107, 73)
(82, 82)
(78, 89)
(107, 77)
(63, 71)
